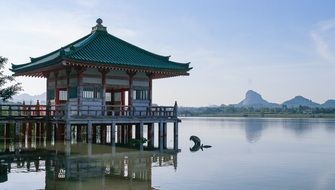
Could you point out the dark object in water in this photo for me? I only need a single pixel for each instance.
(197, 144)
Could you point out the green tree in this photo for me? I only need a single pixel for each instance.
(12, 87)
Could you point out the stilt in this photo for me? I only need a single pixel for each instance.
(160, 139)
(38, 131)
(7, 132)
(175, 135)
(56, 132)
(137, 131)
(49, 129)
(113, 134)
(118, 133)
(164, 135)
(94, 133)
(29, 133)
(68, 131)
(23, 132)
(89, 131)
(113, 137)
(141, 135)
(79, 139)
(124, 134)
(151, 134)
(17, 131)
(130, 132)
(68, 148)
(103, 134)
(89, 147)
(60, 132)
(43, 125)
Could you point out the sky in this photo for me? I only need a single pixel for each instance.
(279, 48)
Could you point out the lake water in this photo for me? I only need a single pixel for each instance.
(246, 153)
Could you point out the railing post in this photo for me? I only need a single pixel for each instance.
(38, 108)
(175, 109)
(10, 110)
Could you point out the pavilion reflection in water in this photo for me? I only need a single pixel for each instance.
(79, 165)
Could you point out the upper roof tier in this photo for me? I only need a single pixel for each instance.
(103, 50)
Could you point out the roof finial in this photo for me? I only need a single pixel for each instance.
(99, 21)
(99, 26)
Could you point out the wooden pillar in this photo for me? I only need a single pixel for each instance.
(150, 77)
(123, 98)
(46, 76)
(160, 139)
(56, 95)
(103, 89)
(130, 81)
(80, 73)
(175, 135)
(68, 72)
(151, 135)
(164, 135)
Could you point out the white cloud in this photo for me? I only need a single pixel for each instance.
(319, 38)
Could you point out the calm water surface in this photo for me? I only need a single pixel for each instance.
(246, 153)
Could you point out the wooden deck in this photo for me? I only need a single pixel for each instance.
(16, 112)
(63, 120)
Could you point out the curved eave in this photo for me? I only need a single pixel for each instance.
(158, 72)
(26, 70)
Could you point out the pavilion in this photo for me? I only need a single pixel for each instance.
(101, 80)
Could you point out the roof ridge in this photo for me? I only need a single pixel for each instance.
(89, 39)
(162, 57)
(46, 55)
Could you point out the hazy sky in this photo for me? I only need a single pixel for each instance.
(278, 48)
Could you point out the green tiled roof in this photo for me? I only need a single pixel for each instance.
(100, 47)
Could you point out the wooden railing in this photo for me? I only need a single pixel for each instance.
(65, 111)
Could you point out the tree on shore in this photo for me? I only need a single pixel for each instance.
(8, 86)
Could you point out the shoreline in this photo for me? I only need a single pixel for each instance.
(254, 115)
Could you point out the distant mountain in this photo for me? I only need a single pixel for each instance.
(300, 101)
(255, 100)
(328, 104)
(30, 98)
